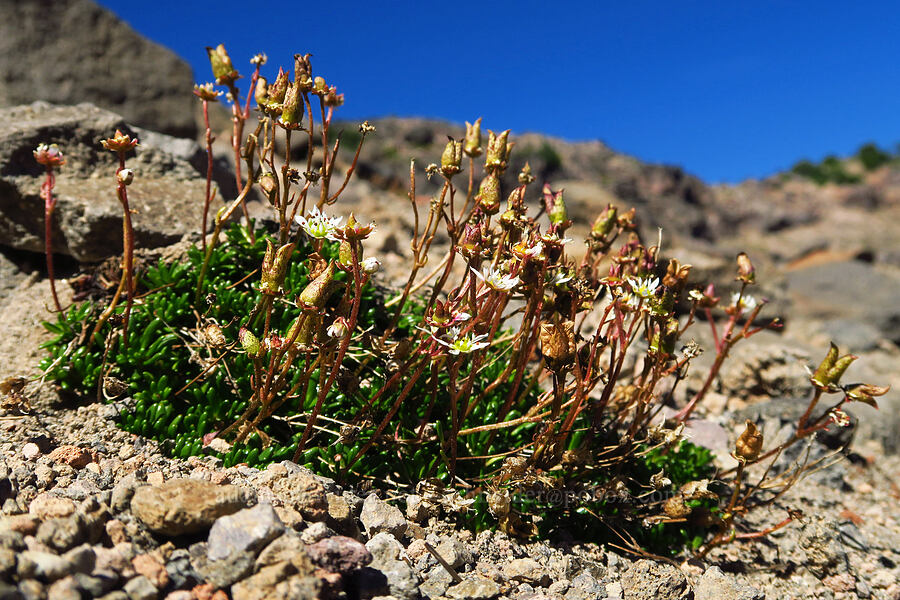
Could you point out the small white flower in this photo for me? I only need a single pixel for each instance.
(746, 302)
(695, 295)
(125, 176)
(561, 277)
(644, 287)
(496, 280)
(534, 251)
(338, 329)
(371, 265)
(462, 344)
(319, 225)
(839, 418)
(630, 300)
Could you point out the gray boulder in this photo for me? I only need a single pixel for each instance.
(71, 51)
(849, 290)
(166, 195)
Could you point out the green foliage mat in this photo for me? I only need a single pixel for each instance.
(166, 353)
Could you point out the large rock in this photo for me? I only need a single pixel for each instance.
(166, 196)
(378, 516)
(716, 585)
(71, 51)
(182, 506)
(852, 290)
(247, 530)
(647, 580)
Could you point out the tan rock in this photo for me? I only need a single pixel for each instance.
(48, 506)
(75, 457)
(150, 567)
(184, 506)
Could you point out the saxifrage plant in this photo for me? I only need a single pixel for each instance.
(511, 384)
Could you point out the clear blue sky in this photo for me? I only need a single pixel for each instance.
(728, 90)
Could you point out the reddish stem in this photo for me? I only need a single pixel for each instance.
(209, 169)
(49, 205)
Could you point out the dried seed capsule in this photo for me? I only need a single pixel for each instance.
(214, 335)
(489, 194)
(249, 342)
(749, 445)
(451, 158)
(558, 344)
(222, 69)
(473, 138)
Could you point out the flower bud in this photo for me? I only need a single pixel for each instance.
(125, 176)
(556, 210)
(249, 342)
(489, 194)
(664, 338)
(339, 329)
(303, 338)
(473, 138)
(451, 158)
(345, 253)
(222, 68)
(371, 265)
(745, 270)
(749, 445)
(471, 240)
(319, 85)
(261, 93)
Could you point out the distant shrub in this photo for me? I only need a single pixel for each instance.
(550, 157)
(872, 157)
(830, 170)
(807, 169)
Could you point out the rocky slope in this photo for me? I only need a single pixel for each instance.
(71, 51)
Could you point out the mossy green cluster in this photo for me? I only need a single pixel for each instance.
(167, 350)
